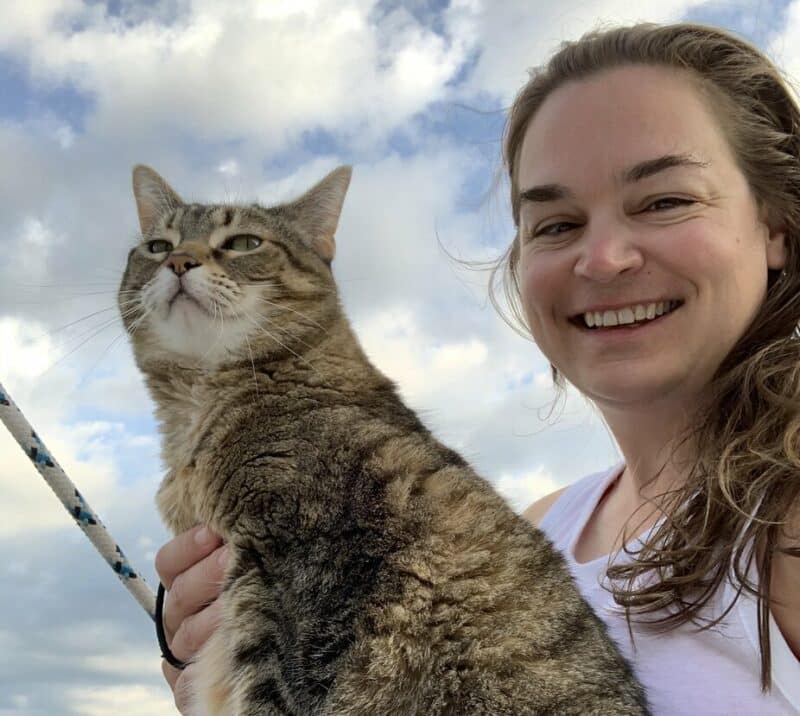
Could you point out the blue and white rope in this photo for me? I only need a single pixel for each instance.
(85, 517)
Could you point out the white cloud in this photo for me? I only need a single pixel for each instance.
(20, 701)
(229, 167)
(36, 234)
(34, 20)
(26, 352)
(236, 69)
(121, 700)
(521, 490)
(520, 36)
(65, 136)
(35, 506)
(117, 662)
(785, 50)
(88, 464)
(396, 210)
(120, 390)
(33, 243)
(393, 341)
(87, 450)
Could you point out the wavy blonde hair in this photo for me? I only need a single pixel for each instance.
(746, 475)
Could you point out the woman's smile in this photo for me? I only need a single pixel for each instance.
(645, 327)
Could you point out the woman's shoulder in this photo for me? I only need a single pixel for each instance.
(536, 510)
(578, 493)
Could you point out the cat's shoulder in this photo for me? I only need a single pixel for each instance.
(537, 510)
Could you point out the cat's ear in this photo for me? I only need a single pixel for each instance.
(317, 211)
(154, 197)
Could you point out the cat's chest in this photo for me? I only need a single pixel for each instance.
(184, 425)
(177, 500)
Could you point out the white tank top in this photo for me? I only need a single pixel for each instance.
(684, 671)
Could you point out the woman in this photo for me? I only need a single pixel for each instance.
(655, 186)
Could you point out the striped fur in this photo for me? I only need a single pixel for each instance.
(373, 571)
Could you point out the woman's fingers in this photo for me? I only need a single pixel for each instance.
(193, 589)
(192, 568)
(171, 674)
(195, 630)
(183, 551)
(180, 682)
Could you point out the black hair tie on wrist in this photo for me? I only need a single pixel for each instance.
(166, 653)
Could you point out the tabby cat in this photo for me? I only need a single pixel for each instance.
(372, 571)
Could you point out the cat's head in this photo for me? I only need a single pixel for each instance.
(219, 284)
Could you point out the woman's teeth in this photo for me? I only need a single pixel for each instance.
(631, 314)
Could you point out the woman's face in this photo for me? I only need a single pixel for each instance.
(610, 239)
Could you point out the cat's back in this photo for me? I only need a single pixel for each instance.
(397, 579)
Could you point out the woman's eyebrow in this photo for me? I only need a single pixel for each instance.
(553, 192)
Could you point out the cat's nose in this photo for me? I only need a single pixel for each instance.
(181, 263)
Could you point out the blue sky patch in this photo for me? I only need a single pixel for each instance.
(25, 99)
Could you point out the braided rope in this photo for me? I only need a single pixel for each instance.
(85, 517)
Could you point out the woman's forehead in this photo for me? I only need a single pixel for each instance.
(612, 121)
(531, 194)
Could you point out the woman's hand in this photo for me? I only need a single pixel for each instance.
(191, 568)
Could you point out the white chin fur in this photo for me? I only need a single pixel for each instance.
(187, 331)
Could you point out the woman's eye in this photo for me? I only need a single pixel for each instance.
(674, 200)
(242, 242)
(158, 246)
(546, 229)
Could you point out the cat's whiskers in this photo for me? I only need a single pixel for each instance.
(230, 304)
(96, 329)
(138, 321)
(48, 297)
(320, 289)
(93, 331)
(249, 348)
(289, 308)
(104, 293)
(130, 311)
(94, 365)
(284, 331)
(147, 290)
(60, 284)
(214, 305)
(257, 283)
(277, 340)
(48, 334)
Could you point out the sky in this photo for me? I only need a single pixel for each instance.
(256, 101)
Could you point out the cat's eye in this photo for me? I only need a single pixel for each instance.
(242, 242)
(158, 246)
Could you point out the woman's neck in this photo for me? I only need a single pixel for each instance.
(649, 438)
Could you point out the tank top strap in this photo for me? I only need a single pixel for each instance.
(567, 516)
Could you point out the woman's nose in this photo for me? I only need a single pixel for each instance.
(607, 249)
